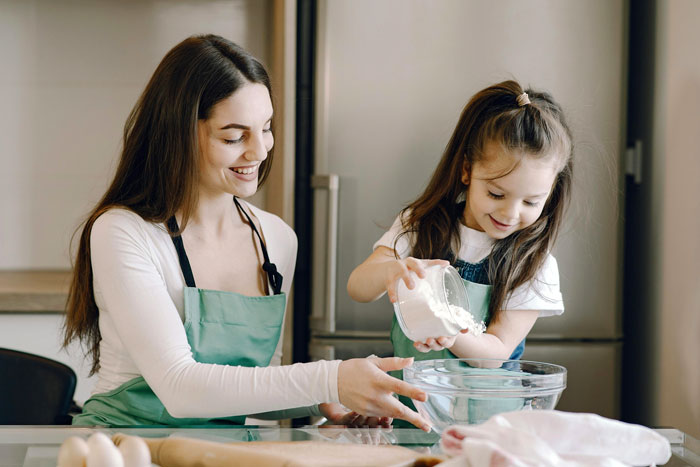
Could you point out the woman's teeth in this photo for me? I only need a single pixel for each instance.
(243, 170)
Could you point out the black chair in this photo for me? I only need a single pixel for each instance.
(34, 390)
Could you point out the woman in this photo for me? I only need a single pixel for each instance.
(172, 241)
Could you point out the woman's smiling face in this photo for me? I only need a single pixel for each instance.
(234, 141)
(506, 192)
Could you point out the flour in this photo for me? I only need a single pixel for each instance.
(424, 312)
(465, 320)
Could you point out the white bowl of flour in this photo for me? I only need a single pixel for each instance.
(436, 306)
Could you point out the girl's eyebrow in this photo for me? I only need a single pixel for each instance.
(491, 182)
(240, 126)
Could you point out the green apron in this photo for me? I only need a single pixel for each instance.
(479, 298)
(224, 328)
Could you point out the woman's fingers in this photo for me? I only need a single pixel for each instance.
(400, 387)
(392, 363)
(404, 413)
(363, 386)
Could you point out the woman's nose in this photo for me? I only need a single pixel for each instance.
(256, 150)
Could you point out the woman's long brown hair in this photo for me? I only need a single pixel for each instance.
(158, 173)
(538, 130)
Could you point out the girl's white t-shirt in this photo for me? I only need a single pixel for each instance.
(138, 287)
(541, 293)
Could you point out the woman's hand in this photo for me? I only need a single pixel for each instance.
(400, 269)
(336, 414)
(364, 387)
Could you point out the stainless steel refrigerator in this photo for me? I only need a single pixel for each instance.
(390, 79)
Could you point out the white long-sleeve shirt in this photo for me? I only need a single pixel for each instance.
(138, 287)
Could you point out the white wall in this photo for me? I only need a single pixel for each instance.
(70, 72)
(40, 334)
(677, 196)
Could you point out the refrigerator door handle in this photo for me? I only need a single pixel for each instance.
(323, 282)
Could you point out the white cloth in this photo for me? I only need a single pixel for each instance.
(549, 438)
(138, 286)
(542, 293)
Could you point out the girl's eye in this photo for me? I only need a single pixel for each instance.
(531, 203)
(495, 196)
(267, 130)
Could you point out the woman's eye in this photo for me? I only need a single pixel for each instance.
(495, 196)
(233, 141)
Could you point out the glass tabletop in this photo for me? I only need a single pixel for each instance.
(37, 446)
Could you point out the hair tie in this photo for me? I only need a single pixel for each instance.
(523, 99)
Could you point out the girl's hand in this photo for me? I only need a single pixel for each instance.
(364, 387)
(401, 269)
(438, 343)
(336, 414)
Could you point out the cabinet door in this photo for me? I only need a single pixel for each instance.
(593, 374)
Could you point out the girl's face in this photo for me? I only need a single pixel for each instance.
(234, 140)
(503, 204)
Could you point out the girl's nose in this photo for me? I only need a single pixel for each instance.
(510, 212)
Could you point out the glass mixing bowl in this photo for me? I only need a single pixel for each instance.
(471, 390)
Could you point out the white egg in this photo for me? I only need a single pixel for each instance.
(102, 452)
(73, 452)
(135, 452)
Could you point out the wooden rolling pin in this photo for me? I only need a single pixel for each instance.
(186, 452)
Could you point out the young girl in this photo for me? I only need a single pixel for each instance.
(179, 287)
(492, 209)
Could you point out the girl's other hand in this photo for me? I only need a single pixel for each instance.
(401, 269)
(336, 414)
(438, 343)
(364, 387)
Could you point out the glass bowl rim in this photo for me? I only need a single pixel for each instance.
(418, 366)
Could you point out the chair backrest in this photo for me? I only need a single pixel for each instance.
(34, 390)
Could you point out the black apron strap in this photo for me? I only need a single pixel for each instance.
(273, 275)
(181, 255)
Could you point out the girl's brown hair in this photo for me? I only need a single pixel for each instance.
(537, 129)
(158, 172)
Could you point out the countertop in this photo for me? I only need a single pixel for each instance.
(34, 446)
(34, 291)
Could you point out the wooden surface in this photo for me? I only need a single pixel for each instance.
(34, 291)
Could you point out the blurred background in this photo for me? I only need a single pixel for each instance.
(366, 96)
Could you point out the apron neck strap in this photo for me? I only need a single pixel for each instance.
(181, 254)
(273, 275)
(270, 269)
